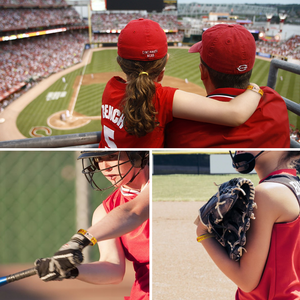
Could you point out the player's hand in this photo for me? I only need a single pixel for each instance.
(201, 228)
(51, 269)
(62, 265)
(55, 269)
(65, 259)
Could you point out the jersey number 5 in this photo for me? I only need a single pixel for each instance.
(109, 136)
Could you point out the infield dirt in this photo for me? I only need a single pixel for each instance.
(181, 268)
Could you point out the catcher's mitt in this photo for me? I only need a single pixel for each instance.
(227, 215)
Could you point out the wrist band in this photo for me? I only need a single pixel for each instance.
(203, 237)
(88, 236)
(255, 88)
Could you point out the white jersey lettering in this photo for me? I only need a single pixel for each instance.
(113, 114)
(296, 185)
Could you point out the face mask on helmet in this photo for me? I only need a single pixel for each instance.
(244, 162)
(91, 160)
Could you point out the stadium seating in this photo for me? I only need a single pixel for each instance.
(289, 48)
(26, 18)
(108, 22)
(33, 3)
(32, 59)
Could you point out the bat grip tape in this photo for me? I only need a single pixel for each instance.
(21, 275)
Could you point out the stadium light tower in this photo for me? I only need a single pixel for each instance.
(269, 17)
(94, 5)
(282, 18)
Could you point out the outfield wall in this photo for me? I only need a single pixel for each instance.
(192, 163)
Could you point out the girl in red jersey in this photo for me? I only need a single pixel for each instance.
(270, 268)
(135, 111)
(128, 171)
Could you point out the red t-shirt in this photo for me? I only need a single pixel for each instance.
(268, 127)
(135, 245)
(281, 276)
(113, 133)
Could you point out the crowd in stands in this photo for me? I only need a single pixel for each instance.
(113, 37)
(103, 22)
(107, 22)
(32, 3)
(25, 18)
(16, 95)
(289, 48)
(167, 22)
(295, 134)
(31, 59)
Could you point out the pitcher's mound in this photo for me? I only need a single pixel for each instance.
(61, 121)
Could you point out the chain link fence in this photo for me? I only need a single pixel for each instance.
(40, 203)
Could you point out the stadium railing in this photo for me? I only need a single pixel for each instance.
(272, 79)
(92, 139)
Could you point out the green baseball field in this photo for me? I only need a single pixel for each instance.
(79, 92)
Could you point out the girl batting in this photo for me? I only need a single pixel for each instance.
(128, 171)
(136, 110)
(270, 269)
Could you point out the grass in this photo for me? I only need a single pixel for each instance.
(178, 187)
(181, 64)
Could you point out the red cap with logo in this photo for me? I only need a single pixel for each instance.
(142, 40)
(227, 48)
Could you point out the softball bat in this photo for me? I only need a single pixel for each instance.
(17, 276)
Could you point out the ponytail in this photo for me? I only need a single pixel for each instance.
(138, 103)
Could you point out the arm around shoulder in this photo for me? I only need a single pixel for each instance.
(199, 108)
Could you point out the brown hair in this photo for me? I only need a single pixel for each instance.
(138, 104)
(292, 158)
(222, 80)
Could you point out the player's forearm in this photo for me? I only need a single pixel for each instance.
(101, 273)
(237, 271)
(234, 270)
(123, 218)
(244, 106)
(117, 223)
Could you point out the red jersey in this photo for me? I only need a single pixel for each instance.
(281, 276)
(112, 119)
(268, 127)
(135, 245)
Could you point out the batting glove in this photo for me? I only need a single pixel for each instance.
(63, 264)
(51, 269)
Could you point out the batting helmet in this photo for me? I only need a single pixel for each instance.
(91, 159)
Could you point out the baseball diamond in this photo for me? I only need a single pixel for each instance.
(70, 101)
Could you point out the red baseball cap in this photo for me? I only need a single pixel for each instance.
(143, 40)
(227, 48)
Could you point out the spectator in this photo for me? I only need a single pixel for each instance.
(227, 55)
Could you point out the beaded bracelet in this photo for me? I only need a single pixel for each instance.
(203, 237)
(255, 88)
(88, 236)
